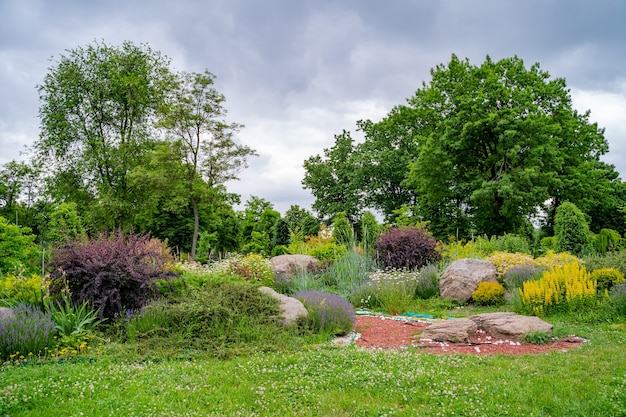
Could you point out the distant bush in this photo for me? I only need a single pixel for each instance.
(428, 282)
(254, 268)
(504, 261)
(618, 298)
(517, 275)
(18, 248)
(511, 243)
(607, 240)
(488, 294)
(406, 247)
(606, 278)
(112, 273)
(571, 230)
(328, 312)
(26, 330)
(615, 260)
(18, 289)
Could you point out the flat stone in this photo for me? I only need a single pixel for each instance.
(511, 326)
(455, 330)
(290, 307)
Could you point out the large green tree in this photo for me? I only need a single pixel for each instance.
(98, 105)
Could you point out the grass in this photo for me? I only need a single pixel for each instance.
(332, 381)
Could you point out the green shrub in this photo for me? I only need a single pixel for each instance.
(343, 233)
(615, 260)
(511, 243)
(328, 251)
(18, 250)
(548, 244)
(18, 289)
(328, 313)
(254, 268)
(488, 293)
(572, 231)
(606, 278)
(607, 240)
(504, 261)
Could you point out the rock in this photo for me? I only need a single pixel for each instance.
(510, 325)
(288, 265)
(462, 277)
(290, 307)
(456, 330)
(6, 313)
(506, 326)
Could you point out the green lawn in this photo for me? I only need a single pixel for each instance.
(331, 381)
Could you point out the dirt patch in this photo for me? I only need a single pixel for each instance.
(390, 333)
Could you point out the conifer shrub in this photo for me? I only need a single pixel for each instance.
(488, 294)
(504, 261)
(606, 278)
(111, 272)
(406, 248)
(328, 312)
(607, 240)
(567, 288)
(571, 230)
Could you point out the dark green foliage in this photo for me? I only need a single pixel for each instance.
(406, 247)
(281, 233)
(537, 338)
(571, 231)
(607, 240)
(511, 243)
(112, 273)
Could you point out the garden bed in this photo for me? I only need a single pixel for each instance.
(382, 332)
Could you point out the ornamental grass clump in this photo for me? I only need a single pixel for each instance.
(25, 331)
(567, 288)
(328, 313)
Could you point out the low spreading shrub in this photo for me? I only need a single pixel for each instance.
(253, 268)
(615, 260)
(25, 331)
(112, 273)
(566, 288)
(504, 261)
(606, 278)
(328, 313)
(488, 294)
(406, 247)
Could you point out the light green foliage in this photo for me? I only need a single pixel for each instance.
(607, 240)
(65, 224)
(511, 243)
(571, 230)
(18, 250)
(548, 243)
(343, 233)
(459, 249)
(606, 278)
(16, 289)
(370, 229)
(253, 267)
(488, 293)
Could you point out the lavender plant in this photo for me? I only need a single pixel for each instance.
(618, 299)
(328, 312)
(25, 331)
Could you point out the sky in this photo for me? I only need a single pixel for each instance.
(297, 72)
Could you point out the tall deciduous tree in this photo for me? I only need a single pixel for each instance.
(98, 106)
(194, 118)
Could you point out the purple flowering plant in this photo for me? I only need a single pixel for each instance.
(328, 312)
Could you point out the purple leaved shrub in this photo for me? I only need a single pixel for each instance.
(406, 248)
(25, 330)
(113, 273)
(328, 312)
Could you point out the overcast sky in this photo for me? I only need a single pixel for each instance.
(296, 73)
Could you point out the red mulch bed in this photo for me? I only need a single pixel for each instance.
(389, 333)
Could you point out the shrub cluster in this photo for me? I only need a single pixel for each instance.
(488, 294)
(606, 278)
(254, 268)
(112, 273)
(618, 299)
(16, 289)
(328, 312)
(406, 247)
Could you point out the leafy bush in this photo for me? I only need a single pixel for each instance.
(16, 289)
(27, 330)
(460, 250)
(571, 230)
(112, 273)
(328, 313)
(406, 247)
(615, 260)
(488, 294)
(548, 243)
(254, 268)
(618, 299)
(517, 275)
(18, 250)
(606, 278)
(552, 260)
(327, 251)
(566, 288)
(607, 240)
(511, 243)
(504, 261)
(428, 282)
(343, 234)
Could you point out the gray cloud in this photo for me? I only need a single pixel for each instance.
(297, 73)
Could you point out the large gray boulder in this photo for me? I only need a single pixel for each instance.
(510, 326)
(291, 308)
(462, 277)
(286, 266)
(504, 325)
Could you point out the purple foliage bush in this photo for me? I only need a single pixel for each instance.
(328, 312)
(112, 273)
(24, 330)
(406, 247)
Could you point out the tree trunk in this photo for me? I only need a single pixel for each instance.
(196, 226)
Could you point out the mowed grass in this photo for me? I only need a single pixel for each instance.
(333, 381)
